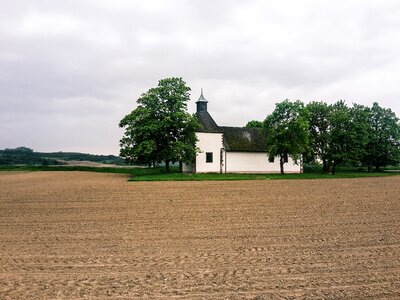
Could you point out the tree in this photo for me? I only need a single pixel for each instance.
(347, 134)
(19, 150)
(254, 124)
(19, 155)
(359, 118)
(383, 147)
(319, 115)
(287, 131)
(160, 129)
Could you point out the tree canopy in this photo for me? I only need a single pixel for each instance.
(254, 124)
(347, 132)
(383, 138)
(332, 134)
(353, 135)
(319, 115)
(160, 129)
(287, 131)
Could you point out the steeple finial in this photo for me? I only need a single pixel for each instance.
(201, 98)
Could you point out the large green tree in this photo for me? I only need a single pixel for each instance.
(287, 131)
(383, 147)
(319, 116)
(160, 129)
(347, 134)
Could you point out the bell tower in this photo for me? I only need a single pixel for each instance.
(201, 103)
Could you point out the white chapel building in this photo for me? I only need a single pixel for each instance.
(226, 149)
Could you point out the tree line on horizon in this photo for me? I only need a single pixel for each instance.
(160, 129)
(27, 156)
(332, 134)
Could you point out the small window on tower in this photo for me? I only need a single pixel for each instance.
(209, 157)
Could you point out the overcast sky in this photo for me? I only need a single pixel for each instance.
(70, 70)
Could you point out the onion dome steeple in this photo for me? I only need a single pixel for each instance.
(201, 103)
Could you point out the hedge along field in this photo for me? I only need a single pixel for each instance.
(95, 235)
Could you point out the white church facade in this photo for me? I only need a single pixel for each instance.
(226, 149)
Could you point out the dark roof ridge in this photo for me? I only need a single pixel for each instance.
(243, 139)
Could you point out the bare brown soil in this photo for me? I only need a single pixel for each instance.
(75, 235)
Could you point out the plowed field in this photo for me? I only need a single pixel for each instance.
(90, 235)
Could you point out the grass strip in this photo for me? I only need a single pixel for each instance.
(159, 174)
(238, 176)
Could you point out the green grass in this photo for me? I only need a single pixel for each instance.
(159, 174)
(238, 176)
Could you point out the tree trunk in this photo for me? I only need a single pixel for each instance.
(334, 168)
(281, 162)
(167, 166)
(377, 168)
(180, 167)
(325, 166)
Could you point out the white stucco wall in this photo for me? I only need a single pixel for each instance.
(208, 142)
(256, 162)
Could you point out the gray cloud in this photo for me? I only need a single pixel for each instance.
(70, 70)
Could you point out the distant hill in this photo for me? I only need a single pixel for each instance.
(26, 156)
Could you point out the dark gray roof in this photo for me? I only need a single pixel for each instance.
(235, 138)
(244, 139)
(207, 123)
